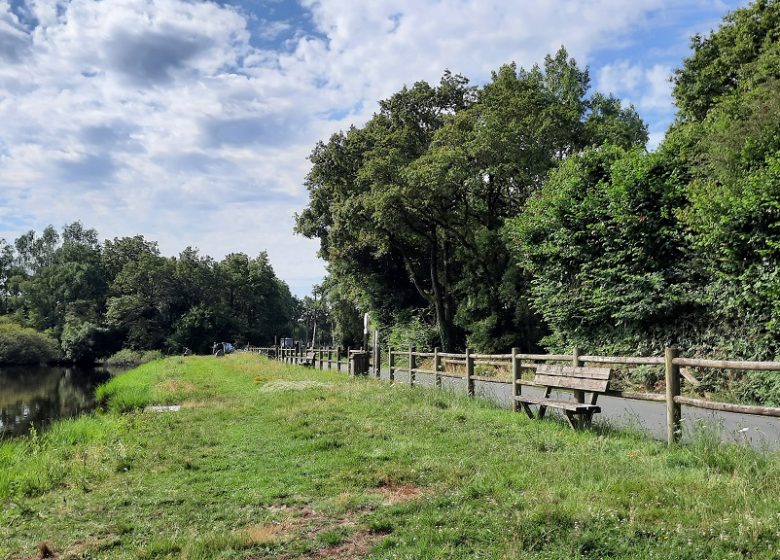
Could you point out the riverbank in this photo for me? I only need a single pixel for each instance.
(265, 460)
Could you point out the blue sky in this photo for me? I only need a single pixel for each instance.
(190, 122)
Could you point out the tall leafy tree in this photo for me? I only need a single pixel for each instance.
(416, 199)
(359, 201)
(727, 142)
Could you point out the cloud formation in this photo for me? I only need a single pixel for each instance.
(190, 121)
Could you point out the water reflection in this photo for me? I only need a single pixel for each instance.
(38, 395)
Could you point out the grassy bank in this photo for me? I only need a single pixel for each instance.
(271, 461)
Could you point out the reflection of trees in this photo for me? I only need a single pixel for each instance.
(39, 395)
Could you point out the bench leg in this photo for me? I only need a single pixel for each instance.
(571, 419)
(542, 410)
(528, 410)
(586, 419)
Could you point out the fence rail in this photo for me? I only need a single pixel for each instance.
(677, 371)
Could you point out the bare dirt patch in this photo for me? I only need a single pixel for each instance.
(266, 533)
(302, 522)
(395, 493)
(79, 549)
(357, 545)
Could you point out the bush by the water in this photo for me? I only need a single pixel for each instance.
(128, 357)
(22, 345)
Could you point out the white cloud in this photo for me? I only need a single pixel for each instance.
(647, 87)
(160, 117)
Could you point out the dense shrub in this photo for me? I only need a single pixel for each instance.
(23, 345)
(128, 357)
(606, 250)
(413, 331)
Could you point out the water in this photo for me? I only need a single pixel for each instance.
(38, 395)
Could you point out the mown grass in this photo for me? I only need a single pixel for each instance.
(272, 461)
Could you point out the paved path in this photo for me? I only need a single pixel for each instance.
(761, 432)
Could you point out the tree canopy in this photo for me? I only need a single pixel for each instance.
(409, 208)
(95, 298)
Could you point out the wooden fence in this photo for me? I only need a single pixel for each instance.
(677, 371)
(324, 357)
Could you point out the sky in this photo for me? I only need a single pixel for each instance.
(190, 122)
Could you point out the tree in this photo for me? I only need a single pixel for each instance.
(727, 143)
(415, 201)
(358, 207)
(143, 295)
(742, 53)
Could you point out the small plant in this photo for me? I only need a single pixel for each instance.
(332, 537)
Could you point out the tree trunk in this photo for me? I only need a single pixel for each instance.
(442, 301)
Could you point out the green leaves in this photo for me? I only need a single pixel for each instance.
(411, 206)
(604, 247)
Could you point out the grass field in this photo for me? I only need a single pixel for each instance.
(266, 460)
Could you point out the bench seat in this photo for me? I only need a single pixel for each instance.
(565, 405)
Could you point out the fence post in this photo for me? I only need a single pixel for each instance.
(391, 360)
(349, 370)
(673, 409)
(412, 365)
(469, 373)
(330, 358)
(516, 388)
(320, 355)
(377, 355)
(437, 366)
(579, 396)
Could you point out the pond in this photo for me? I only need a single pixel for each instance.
(35, 396)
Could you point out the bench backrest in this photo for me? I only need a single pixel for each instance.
(590, 379)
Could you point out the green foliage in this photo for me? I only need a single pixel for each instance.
(737, 234)
(727, 141)
(410, 207)
(743, 52)
(128, 357)
(23, 345)
(411, 330)
(605, 249)
(84, 341)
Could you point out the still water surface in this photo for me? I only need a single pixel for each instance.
(37, 395)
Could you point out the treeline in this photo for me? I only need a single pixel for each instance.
(94, 298)
(528, 212)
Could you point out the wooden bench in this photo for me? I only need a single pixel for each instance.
(580, 380)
